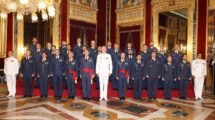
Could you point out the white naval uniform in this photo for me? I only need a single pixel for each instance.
(199, 72)
(103, 70)
(11, 68)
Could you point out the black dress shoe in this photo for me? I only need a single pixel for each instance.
(123, 98)
(30, 96)
(120, 98)
(25, 96)
(71, 97)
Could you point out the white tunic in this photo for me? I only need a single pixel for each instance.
(199, 68)
(11, 66)
(104, 64)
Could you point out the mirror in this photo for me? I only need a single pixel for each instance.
(173, 27)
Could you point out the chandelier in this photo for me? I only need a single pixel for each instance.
(26, 7)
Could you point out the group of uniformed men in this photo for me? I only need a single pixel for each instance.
(150, 69)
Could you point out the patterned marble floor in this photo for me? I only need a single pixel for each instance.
(40, 109)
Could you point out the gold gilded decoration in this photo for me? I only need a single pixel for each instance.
(130, 15)
(211, 4)
(56, 28)
(82, 12)
(3, 37)
(159, 6)
(20, 40)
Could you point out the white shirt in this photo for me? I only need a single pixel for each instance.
(104, 64)
(199, 68)
(11, 66)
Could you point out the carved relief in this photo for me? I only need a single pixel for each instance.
(83, 13)
(127, 3)
(91, 3)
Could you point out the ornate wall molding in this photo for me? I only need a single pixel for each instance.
(211, 4)
(170, 5)
(131, 16)
(3, 37)
(82, 13)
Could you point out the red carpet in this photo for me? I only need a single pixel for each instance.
(95, 92)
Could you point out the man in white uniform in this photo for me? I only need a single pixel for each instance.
(103, 70)
(199, 73)
(11, 68)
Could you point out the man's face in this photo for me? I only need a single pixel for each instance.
(151, 43)
(57, 52)
(38, 46)
(44, 55)
(116, 46)
(93, 43)
(28, 53)
(129, 45)
(49, 45)
(177, 47)
(169, 59)
(34, 40)
(68, 47)
(53, 48)
(86, 53)
(10, 53)
(139, 57)
(63, 43)
(79, 41)
(130, 52)
(153, 54)
(70, 54)
(122, 55)
(104, 49)
(199, 56)
(109, 43)
(185, 57)
(145, 48)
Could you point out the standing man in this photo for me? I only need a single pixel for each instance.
(122, 75)
(104, 70)
(145, 57)
(131, 60)
(184, 75)
(48, 50)
(177, 58)
(138, 75)
(32, 46)
(168, 76)
(27, 71)
(93, 54)
(43, 72)
(162, 56)
(38, 58)
(199, 72)
(11, 69)
(129, 47)
(71, 74)
(109, 48)
(152, 48)
(153, 73)
(87, 72)
(63, 50)
(115, 59)
(57, 72)
(78, 51)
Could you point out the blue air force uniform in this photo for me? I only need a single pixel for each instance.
(138, 75)
(38, 58)
(133, 51)
(122, 73)
(177, 58)
(63, 52)
(152, 49)
(32, 48)
(145, 57)
(168, 75)
(71, 76)
(58, 70)
(184, 73)
(78, 53)
(43, 72)
(27, 69)
(153, 72)
(131, 60)
(162, 58)
(115, 58)
(87, 71)
(93, 54)
(48, 52)
(110, 50)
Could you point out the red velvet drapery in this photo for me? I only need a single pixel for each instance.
(78, 28)
(130, 34)
(63, 20)
(148, 22)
